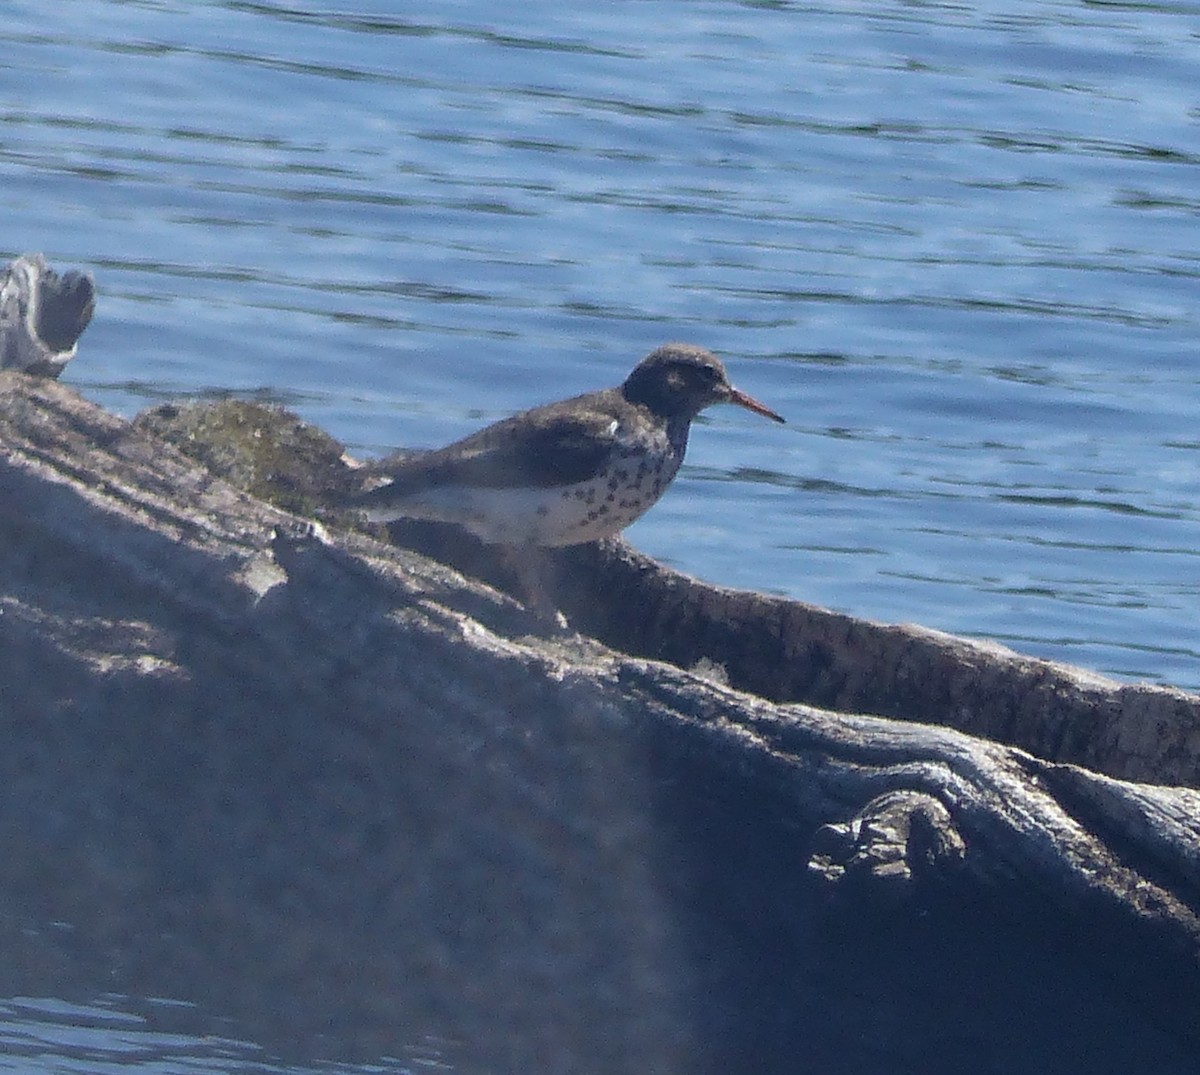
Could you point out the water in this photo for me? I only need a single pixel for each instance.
(155, 1036)
(956, 244)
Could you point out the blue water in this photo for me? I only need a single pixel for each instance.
(956, 244)
(121, 1035)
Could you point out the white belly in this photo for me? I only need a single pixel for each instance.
(546, 517)
(588, 511)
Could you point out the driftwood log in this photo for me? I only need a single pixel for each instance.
(42, 315)
(353, 796)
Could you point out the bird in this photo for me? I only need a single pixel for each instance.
(564, 473)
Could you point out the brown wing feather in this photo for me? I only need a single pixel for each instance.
(552, 445)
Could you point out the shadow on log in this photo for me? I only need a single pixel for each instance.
(348, 795)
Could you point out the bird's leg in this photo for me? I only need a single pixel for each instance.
(528, 565)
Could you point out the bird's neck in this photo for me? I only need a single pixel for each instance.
(677, 433)
(645, 392)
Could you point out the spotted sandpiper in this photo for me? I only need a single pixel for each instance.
(564, 473)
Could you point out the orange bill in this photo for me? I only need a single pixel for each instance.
(751, 404)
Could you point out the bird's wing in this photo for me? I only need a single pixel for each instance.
(541, 448)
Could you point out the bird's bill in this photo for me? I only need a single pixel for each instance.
(751, 404)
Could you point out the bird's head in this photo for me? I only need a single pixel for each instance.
(678, 380)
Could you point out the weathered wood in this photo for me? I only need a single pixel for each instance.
(337, 787)
(790, 651)
(42, 315)
(777, 648)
